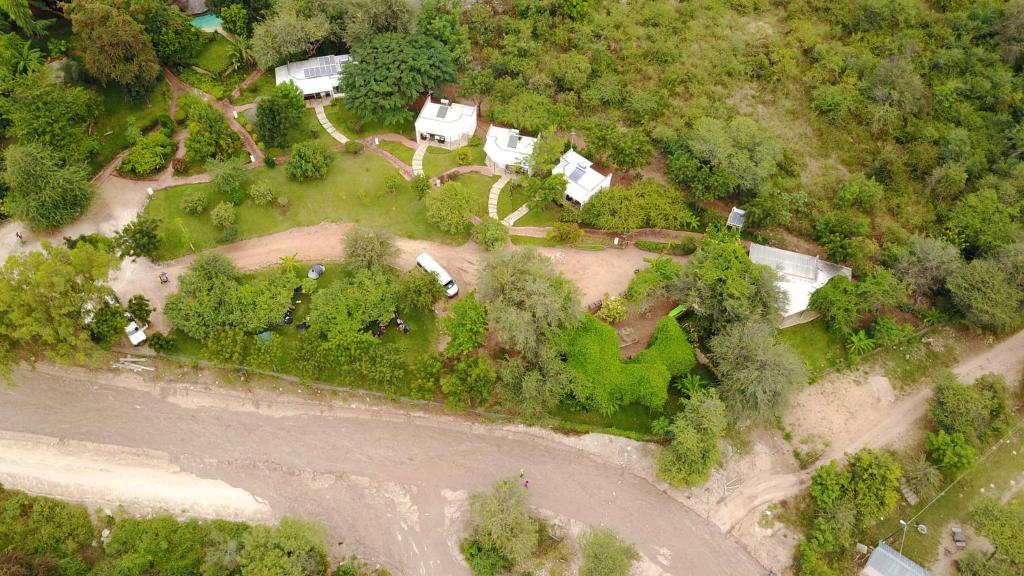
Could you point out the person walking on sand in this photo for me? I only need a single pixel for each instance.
(526, 484)
(521, 473)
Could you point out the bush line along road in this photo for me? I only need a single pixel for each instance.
(390, 485)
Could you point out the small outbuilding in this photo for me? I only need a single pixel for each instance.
(507, 150)
(799, 276)
(317, 77)
(581, 180)
(446, 123)
(886, 561)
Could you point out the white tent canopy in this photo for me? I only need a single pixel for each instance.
(315, 77)
(506, 148)
(581, 180)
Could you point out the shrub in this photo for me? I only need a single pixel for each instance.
(223, 215)
(949, 452)
(448, 208)
(179, 165)
(683, 247)
(566, 232)
(194, 201)
(420, 185)
(161, 343)
(309, 160)
(490, 234)
(695, 431)
(261, 193)
(613, 310)
(227, 179)
(651, 283)
(353, 147)
(149, 155)
(269, 161)
(464, 156)
(604, 554)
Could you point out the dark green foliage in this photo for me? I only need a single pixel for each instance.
(441, 20)
(353, 147)
(419, 290)
(44, 192)
(139, 238)
(139, 309)
(844, 237)
(982, 222)
(235, 19)
(113, 46)
(148, 156)
(978, 412)
(309, 160)
(176, 41)
(36, 527)
(842, 302)
(758, 372)
(161, 343)
(719, 158)
(1001, 525)
(469, 382)
(209, 136)
(389, 71)
(645, 204)
(465, 325)
(279, 113)
(722, 285)
(52, 115)
(695, 431)
(342, 309)
(949, 452)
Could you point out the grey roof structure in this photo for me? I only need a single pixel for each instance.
(736, 217)
(886, 561)
(799, 274)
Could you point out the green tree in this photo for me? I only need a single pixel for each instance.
(527, 300)
(977, 412)
(389, 71)
(279, 113)
(419, 290)
(107, 324)
(309, 161)
(293, 29)
(491, 234)
(175, 40)
(138, 238)
(262, 193)
(950, 453)
(926, 263)
(223, 215)
(986, 297)
(148, 155)
(470, 382)
(344, 308)
(645, 204)
(292, 548)
(1000, 523)
(235, 19)
(140, 309)
(650, 284)
(42, 111)
(723, 286)
(113, 46)
(369, 249)
(465, 325)
(44, 192)
(501, 521)
(442, 21)
(758, 372)
(449, 208)
(227, 177)
(981, 222)
(209, 136)
(368, 19)
(44, 299)
(604, 554)
(695, 432)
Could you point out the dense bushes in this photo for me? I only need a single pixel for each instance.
(309, 161)
(149, 155)
(695, 431)
(645, 204)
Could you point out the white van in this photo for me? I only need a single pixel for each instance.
(425, 261)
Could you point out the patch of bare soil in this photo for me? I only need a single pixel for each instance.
(641, 326)
(949, 554)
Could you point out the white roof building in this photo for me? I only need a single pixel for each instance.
(582, 181)
(506, 148)
(885, 561)
(318, 76)
(448, 123)
(799, 274)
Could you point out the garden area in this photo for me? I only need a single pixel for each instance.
(215, 70)
(346, 122)
(437, 160)
(119, 113)
(307, 129)
(513, 196)
(356, 189)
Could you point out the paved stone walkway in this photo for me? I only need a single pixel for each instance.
(417, 159)
(519, 213)
(322, 117)
(492, 199)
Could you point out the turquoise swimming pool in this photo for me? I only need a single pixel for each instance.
(209, 21)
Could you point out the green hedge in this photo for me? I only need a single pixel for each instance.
(669, 347)
(683, 247)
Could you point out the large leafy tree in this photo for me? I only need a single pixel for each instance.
(279, 113)
(366, 19)
(527, 300)
(391, 70)
(442, 21)
(294, 29)
(722, 285)
(292, 548)
(465, 325)
(51, 114)
(44, 297)
(369, 249)
(695, 431)
(985, 295)
(502, 523)
(604, 554)
(758, 372)
(982, 222)
(44, 192)
(342, 309)
(645, 204)
(926, 263)
(114, 47)
(209, 136)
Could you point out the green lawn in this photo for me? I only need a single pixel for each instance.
(479, 187)
(346, 123)
(998, 469)
(513, 196)
(819, 348)
(263, 86)
(117, 113)
(216, 55)
(309, 129)
(437, 160)
(400, 151)
(354, 191)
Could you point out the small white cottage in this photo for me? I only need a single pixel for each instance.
(317, 77)
(582, 181)
(507, 150)
(445, 123)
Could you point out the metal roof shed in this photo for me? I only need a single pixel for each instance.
(886, 561)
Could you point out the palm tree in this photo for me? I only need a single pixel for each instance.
(27, 59)
(289, 264)
(690, 385)
(241, 56)
(860, 343)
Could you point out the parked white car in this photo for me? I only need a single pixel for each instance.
(427, 262)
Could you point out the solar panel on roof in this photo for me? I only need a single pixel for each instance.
(513, 140)
(577, 173)
(442, 111)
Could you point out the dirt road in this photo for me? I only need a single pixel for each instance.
(597, 273)
(892, 426)
(389, 485)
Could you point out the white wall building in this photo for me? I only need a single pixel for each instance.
(445, 123)
(799, 276)
(582, 181)
(317, 77)
(507, 150)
